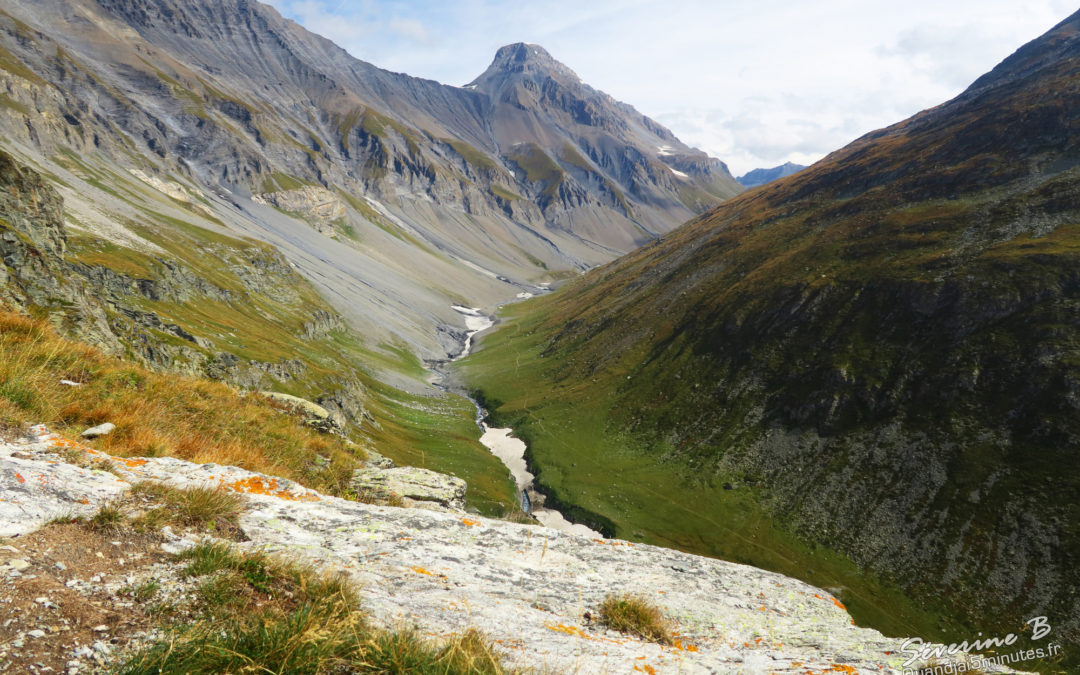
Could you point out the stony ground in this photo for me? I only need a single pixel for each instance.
(75, 598)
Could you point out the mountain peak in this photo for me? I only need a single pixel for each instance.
(527, 59)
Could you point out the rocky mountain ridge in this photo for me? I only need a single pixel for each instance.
(230, 101)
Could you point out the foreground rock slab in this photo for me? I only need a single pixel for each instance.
(528, 588)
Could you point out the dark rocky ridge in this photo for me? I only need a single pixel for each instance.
(885, 345)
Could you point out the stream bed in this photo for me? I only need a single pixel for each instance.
(511, 450)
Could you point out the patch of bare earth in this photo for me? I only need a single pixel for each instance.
(74, 598)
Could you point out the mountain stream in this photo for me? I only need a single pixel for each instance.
(511, 450)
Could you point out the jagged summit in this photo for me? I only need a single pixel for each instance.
(525, 59)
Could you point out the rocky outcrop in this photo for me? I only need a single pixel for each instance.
(314, 415)
(322, 323)
(413, 483)
(317, 205)
(530, 590)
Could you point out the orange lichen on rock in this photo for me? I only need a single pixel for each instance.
(18, 477)
(260, 485)
(683, 646)
(645, 668)
(569, 630)
(471, 523)
(421, 570)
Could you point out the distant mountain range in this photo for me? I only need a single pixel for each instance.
(877, 358)
(762, 176)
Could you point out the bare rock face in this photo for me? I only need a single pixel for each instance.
(529, 589)
(411, 482)
(316, 205)
(31, 207)
(314, 414)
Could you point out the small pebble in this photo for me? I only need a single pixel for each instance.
(101, 629)
(36, 633)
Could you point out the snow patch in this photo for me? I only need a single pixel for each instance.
(475, 321)
(664, 150)
(678, 173)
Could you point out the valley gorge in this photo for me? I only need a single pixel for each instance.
(809, 418)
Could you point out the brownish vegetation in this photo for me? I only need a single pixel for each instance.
(634, 615)
(156, 414)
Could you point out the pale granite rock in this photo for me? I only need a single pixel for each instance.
(527, 588)
(418, 484)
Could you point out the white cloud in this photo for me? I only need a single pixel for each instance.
(754, 84)
(411, 29)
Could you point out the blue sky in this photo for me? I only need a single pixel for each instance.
(755, 82)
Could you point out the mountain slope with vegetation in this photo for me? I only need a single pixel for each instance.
(361, 177)
(866, 374)
(202, 303)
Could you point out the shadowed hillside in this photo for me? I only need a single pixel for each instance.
(877, 357)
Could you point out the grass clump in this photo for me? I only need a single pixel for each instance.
(634, 615)
(258, 614)
(108, 518)
(212, 507)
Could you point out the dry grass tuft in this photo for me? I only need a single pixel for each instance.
(216, 508)
(156, 414)
(264, 614)
(109, 518)
(634, 615)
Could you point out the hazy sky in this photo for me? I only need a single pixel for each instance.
(755, 82)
